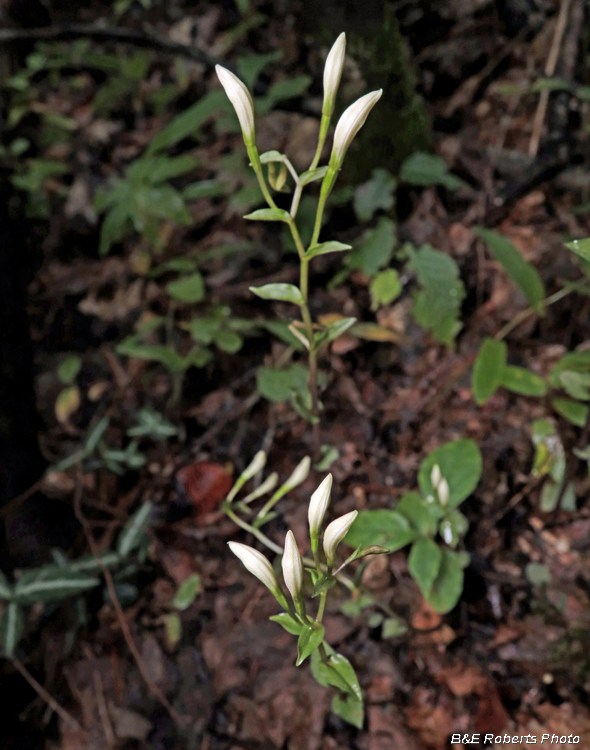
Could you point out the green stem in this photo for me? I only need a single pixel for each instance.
(324, 125)
(257, 167)
(322, 606)
(521, 316)
(255, 532)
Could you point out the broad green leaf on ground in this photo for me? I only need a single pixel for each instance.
(375, 194)
(189, 122)
(375, 249)
(425, 169)
(576, 384)
(437, 305)
(422, 515)
(573, 362)
(51, 583)
(574, 411)
(279, 292)
(11, 628)
(187, 592)
(580, 247)
(424, 563)
(448, 586)
(135, 529)
(520, 380)
(524, 275)
(460, 464)
(393, 627)
(189, 289)
(385, 287)
(488, 369)
(387, 528)
(277, 384)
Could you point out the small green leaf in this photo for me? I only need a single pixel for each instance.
(354, 607)
(269, 156)
(269, 214)
(326, 675)
(523, 381)
(393, 627)
(331, 332)
(189, 289)
(576, 384)
(580, 247)
(288, 623)
(376, 193)
(173, 627)
(460, 464)
(323, 583)
(422, 514)
(425, 169)
(488, 369)
(424, 563)
(11, 628)
(573, 411)
(524, 275)
(572, 361)
(68, 369)
(549, 452)
(326, 247)
(280, 292)
(187, 592)
(376, 248)
(229, 341)
(339, 664)
(311, 637)
(350, 709)
(387, 528)
(385, 287)
(448, 586)
(312, 175)
(537, 574)
(276, 384)
(135, 529)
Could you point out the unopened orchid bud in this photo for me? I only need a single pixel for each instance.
(335, 533)
(333, 73)
(443, 491)
(293, 568)
(254, 466)
(256, 563)
(299, 475)
(447, 532)
(240, 97)
(435, 476)
(349, 124)
(317, 508)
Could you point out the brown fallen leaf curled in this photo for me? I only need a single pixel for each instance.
(204, 484)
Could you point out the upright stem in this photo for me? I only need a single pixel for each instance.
(322, 606)
(324, 125)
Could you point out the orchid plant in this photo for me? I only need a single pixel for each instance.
(310, 334)
(328, 667)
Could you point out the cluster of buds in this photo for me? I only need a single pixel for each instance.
(440, 484)
(348, 125)
(292, 562)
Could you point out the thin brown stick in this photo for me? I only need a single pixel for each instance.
(103, 711)
(111, 34)
(179, 719)
(549, 71)
(44, 695)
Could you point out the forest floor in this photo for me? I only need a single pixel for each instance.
(514, 656)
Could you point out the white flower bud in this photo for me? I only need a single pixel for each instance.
(318, 506)
(333, 72)
(300, 473)
(292, 567)
(254, 466)
(335, 533)
(443, 491)
(256, 563)
(240, 97)
(349, 124)
(447, 532)
(435, 476)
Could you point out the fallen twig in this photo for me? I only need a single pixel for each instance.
(112, 34)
